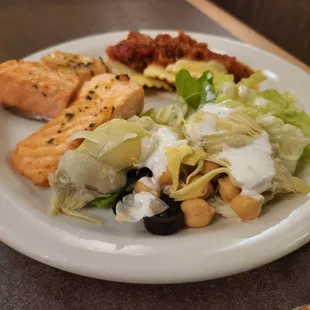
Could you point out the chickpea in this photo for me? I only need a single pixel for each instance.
(197, 212)
(246, 207)
(227, 190)
(165, 178)
(142, 187)
(209, 166)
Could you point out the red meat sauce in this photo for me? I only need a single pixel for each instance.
(140, 50)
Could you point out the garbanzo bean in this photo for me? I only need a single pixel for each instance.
(165, 178)
(208, 190)
(246, 207)
(142, 187)
(227, 190)
(209, 166)
(197, 212)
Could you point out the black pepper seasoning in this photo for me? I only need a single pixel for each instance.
(69, 116)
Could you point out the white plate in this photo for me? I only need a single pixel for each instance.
(126, 252)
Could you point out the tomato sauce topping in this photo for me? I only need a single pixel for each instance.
(140, 50)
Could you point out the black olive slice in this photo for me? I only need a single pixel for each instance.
(168, 222)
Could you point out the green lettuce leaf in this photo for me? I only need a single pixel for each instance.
(170, 115)
(283, 106)
(192, 93)
(195, 92)
(109, 201)
(220, 78)
(290, 140)
(255, 79)
(268, 102)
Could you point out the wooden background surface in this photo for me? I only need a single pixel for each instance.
(286, 22)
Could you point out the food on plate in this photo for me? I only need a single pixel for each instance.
(149, 60)
(119, 68)
(35, 90)
(105, 97)
(85, 67)
(222, 148)
(42, 90)
(167, 222)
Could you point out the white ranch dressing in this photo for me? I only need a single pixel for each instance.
(269, 119)
(213, 108)
(242, 90)
(261, 102)
(157, 161)
(148, 145)
(209, 93)
(135, 207)
(203, 126)
(203, 123)
(226, 88)
(252, 166)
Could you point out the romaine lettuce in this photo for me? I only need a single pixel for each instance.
(289, 139)
(269, 102)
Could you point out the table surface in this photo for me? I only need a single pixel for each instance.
(27, 26)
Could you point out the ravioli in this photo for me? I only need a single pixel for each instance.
(196, 68)
(159, 72)
(118, 68)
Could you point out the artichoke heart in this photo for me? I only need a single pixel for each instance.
(97, 167)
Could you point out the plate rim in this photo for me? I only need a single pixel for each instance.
(49, 260)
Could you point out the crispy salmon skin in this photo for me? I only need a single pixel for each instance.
(105, 97)
(35, 90)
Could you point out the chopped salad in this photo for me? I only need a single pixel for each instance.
(221, 148)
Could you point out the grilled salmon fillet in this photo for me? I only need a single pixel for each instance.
(42, 90)
(105, 97)
(35, 90)
(85, 67)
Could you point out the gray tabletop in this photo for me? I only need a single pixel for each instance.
(27, 26)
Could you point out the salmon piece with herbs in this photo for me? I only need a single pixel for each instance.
(85, 67)
(41, 90)
(105, 97)
(35, 90)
